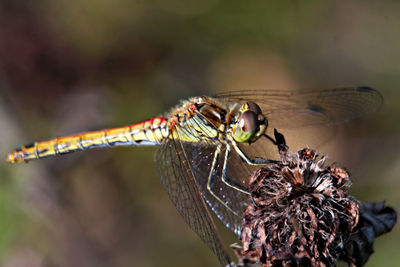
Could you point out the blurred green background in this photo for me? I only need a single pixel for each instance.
(72, 66)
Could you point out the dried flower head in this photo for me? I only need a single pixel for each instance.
(301, 214)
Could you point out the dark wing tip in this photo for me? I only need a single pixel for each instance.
(369, 90)
(316, 109)
(365, 89)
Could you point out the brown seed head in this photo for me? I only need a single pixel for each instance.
(301, 214)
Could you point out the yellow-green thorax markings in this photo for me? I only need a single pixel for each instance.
(196, 120)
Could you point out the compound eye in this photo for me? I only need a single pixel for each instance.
(245, 127)
(254, 107)
(248, 121)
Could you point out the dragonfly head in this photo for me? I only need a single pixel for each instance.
(250, 123)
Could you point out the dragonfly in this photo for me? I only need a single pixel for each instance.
(208, 146)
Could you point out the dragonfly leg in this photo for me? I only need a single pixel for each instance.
(211, 178)
(254, 162)
(224, 169)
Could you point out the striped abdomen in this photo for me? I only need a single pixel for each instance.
(146, 133)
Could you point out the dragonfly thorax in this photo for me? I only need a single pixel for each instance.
(249, 124)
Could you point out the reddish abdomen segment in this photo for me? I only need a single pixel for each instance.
(147, 133)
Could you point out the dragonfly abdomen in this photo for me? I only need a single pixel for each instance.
(147, 133)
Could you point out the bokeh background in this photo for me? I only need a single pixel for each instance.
(71, 66)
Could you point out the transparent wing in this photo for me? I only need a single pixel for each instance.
(292, 109)
(177, 177)
(226, 202)
(229, 204)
